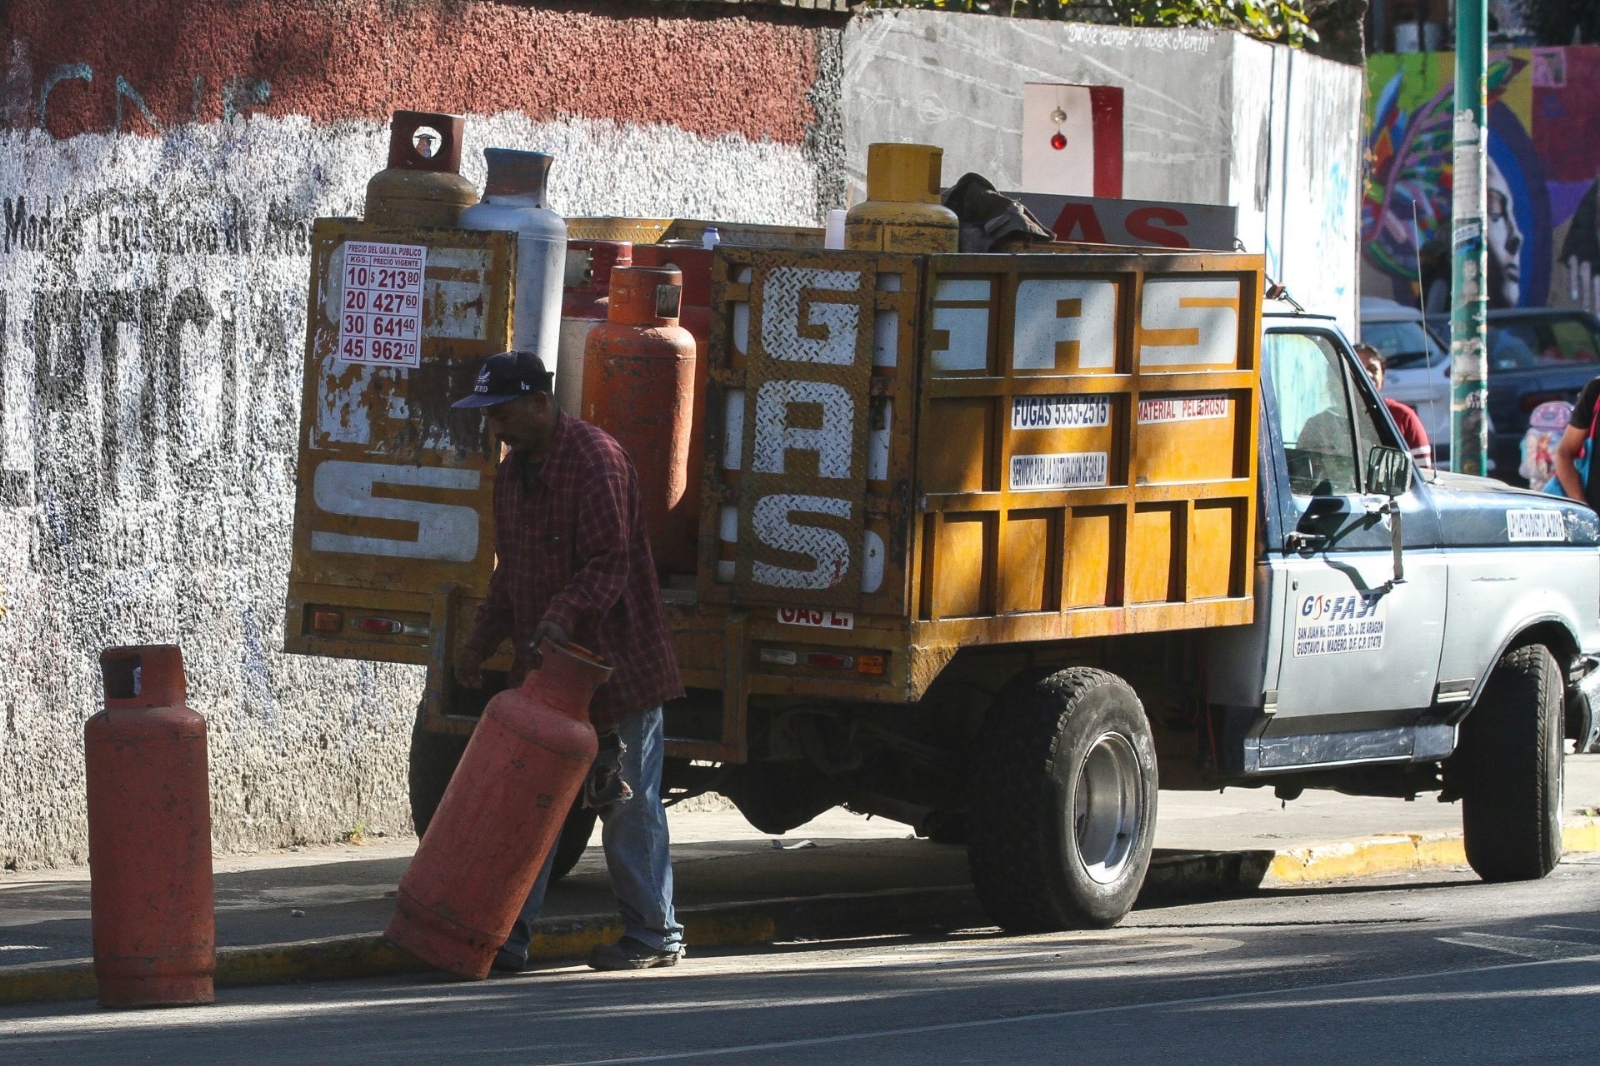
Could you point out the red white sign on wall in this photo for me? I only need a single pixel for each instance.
(1072, 139)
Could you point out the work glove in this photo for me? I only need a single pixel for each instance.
(548, 630)
(604, 786)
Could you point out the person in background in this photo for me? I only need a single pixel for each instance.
(1577, 438)
(573, 563)
(1409, 424)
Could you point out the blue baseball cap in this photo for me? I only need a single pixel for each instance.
(505, 377)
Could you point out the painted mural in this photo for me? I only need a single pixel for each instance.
(1544, 158)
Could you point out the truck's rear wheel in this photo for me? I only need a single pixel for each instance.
(1063, 812)
(575, 834)
(432, 763)
(1510, 763)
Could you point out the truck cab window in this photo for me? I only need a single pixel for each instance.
(1313, 412)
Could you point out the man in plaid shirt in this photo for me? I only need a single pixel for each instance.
(573, 563)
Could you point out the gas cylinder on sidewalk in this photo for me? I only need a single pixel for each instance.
(583, 303)
(902, 212)
(514, 199)
(150, 888)
(695, 261)
(500, 816)
(422, 184)
(638, 386)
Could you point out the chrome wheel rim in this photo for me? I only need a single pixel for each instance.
(1108, 807)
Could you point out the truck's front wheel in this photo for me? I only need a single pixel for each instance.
(1510, 763)
(1063, 810)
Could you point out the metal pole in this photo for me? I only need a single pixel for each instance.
(1469, 266)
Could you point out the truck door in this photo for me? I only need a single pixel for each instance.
(1359, 652)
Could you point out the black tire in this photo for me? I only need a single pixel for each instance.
(1510, 762)
(433, 760)
(575, 833)
(1042, 812)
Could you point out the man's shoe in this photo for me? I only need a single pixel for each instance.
(508, 961)
(631, 954)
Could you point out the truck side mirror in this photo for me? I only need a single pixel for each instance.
(1388, 472)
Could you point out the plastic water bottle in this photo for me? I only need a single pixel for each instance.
(834, 235)
(711, 238)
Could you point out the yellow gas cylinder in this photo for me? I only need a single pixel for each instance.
(422, 185)
(902, 212)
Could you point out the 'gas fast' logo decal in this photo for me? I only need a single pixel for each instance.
(1334, 625)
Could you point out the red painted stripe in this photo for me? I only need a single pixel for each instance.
(191, 60)
(1105, 105)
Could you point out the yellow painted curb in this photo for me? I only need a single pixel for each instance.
(1400, 853)
(1581, 834)
(46, 984)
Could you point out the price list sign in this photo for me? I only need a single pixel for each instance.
(380, 322)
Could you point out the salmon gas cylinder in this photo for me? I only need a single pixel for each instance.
(902, 212)
(422, 184)
(514, 199)
(638, 386)
(150, 888)
(583, 303)
(696, 262)
(500, 816)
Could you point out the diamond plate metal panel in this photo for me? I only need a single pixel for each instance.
(805, 434)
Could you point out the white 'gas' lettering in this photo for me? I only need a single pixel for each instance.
(1062, 321)
(1189, 322)
(786, 308)
(775, 437)
(446, 532)
(826, 547)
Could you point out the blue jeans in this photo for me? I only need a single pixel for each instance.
(634, 835)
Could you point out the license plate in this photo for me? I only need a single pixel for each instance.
(822, 618)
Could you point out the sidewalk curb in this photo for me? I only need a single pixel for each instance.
(1173, 876)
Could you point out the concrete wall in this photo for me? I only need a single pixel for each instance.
(1208, 118)
(160, 163)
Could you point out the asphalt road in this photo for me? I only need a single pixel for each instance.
(1433, 969)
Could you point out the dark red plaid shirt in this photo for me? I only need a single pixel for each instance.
(573, 548)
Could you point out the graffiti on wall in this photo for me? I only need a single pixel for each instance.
(1544, 157)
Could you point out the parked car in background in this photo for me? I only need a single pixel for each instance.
(1535, 355)
(1418, 372)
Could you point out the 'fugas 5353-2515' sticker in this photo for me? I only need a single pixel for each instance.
(1335, 624)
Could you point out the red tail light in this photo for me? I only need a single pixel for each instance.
(374, 624)
(830, 659)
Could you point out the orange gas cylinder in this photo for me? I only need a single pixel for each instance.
(638, 386)
(150, 891)
(500, 816)
(695, 261)
(422, 183)
(585, 298)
